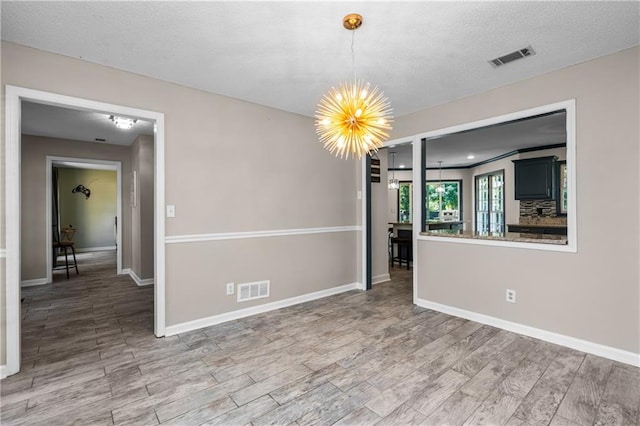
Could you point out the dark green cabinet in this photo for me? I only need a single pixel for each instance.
(535, 178)
(433, 226)
(538, 229)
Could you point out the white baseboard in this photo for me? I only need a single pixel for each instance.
(380, 279)
(242, 313)
(609, 352)
(89, 249)
(139, 281)
(3, 371)
(31, 283)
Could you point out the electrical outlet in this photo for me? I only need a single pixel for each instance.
(511, 296)
(230, 289)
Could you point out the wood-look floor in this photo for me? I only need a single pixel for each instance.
(90, 358)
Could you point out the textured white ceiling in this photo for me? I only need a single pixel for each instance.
(286, 54)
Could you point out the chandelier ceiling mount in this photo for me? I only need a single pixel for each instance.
(352, 21)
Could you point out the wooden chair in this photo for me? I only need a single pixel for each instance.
(65, 243)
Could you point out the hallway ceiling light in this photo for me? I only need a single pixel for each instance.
(353, 119)
(122, 122)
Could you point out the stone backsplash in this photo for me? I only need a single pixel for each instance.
(529, 213)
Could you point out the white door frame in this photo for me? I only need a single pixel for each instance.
(87, 163)
(13, 97)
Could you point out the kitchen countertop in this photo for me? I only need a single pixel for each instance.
(499, 236)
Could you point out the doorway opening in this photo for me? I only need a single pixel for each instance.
(389, 237)
(96, 225)
(15, 96)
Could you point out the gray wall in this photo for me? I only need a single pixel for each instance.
(231, 166)
(35, 150)
(142, 213)
(593, 294)
(93, 217)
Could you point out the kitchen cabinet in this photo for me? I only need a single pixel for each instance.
(538, 229)
(535, 178)
(457, 226)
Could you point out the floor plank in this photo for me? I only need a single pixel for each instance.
(454, 411)
(621, 400)
(580, 403)
(540, 405)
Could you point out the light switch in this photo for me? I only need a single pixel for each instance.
(171, 211)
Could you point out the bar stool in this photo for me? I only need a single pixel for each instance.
(404, 248)
(65, 243)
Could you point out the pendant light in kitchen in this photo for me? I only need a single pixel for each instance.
(440, 188)
(393, 182)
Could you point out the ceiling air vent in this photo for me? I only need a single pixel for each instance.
(510, 57)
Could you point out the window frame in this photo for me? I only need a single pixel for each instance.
(559, 195)
(489, 199)
(411, 209)
(431, 181)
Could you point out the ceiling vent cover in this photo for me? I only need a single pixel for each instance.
(250, 291)
(513, 56)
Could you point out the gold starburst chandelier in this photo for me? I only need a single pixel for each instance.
(353, 119)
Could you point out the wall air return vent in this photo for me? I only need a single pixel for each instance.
(250, 291)
(513, 56)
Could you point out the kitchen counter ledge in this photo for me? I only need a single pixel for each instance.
(499, 236)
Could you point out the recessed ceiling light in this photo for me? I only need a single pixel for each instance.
(470, 157)
(122, 122)
(401, 166)
(392, 146)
